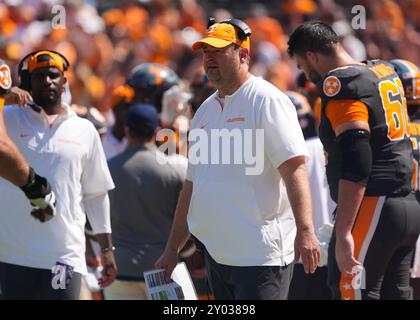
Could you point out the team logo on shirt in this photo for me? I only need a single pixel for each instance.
(331, 86)
(5, 78)
(237, 119)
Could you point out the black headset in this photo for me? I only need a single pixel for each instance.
(244, 30)
(25, 76)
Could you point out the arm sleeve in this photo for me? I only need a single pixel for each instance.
(98, 212)
(190, 172)
(283, 137)
(96, 177)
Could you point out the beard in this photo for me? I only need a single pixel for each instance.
(47, 98)
(314, 76)
(213, 74)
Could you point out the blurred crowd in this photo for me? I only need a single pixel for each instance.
(105, 39)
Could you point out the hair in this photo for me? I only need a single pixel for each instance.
(312, 36)
(141, 133)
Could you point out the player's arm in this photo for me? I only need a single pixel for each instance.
(18, 96)
(349, 119)
(13, 166)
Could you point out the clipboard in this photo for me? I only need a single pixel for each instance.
(180, 287)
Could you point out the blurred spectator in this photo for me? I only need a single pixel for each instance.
(265, 28)
(113, 141)
(93, 115)
(142, 204)
(104, 43)
(201, 89)
(353, 45)
(149, 82)
(310, 91)
(280, 75)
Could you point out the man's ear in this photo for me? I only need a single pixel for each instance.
(312, 57)
(243, 54)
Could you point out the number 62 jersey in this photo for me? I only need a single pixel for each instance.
(373, 93)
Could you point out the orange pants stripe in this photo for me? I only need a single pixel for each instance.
(363, 229)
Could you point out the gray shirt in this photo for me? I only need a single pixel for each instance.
(142, 207)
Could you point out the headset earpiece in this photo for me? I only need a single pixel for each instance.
(211, 22)
(24, 77)
(25, 80)
(244, 30)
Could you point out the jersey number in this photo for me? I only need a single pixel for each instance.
(395, 107)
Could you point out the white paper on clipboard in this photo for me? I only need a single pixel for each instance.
(180, 288)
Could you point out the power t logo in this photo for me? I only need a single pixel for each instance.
(5, 78)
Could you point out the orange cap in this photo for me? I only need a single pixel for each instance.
(221, 35)
(55, 61)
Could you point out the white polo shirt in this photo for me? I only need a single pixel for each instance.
(322, 204)
(69, 154)
(242, 219)
(112, 146)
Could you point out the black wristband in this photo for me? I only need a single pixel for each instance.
(37, 186)
(31, 179)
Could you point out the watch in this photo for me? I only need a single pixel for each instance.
(106, 249)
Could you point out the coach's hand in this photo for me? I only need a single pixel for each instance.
(109, 271)
(40, 195)
(168, 261)
(307, 248)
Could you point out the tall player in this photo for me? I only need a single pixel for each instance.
(365, 132)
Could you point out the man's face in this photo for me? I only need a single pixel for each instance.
(47, 85)
(220, 63)
(308, 67)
